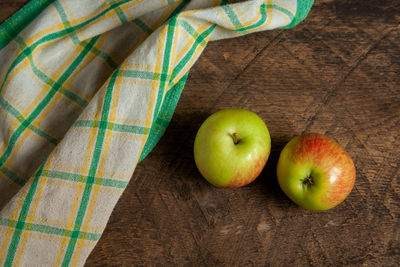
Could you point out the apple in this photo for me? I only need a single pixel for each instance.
(315, 172)
(231, 147)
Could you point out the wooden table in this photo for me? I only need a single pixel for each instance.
(337, 73)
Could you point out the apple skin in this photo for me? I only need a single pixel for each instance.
(331, 171)
(224, 163)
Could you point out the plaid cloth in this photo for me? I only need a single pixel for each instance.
(87, 89)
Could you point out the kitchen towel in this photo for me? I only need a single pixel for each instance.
(88, 87)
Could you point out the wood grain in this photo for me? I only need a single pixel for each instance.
(337, 73)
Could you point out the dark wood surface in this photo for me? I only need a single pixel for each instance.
(337, 73)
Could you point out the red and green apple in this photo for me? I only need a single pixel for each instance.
(231, 147)
(315, 172)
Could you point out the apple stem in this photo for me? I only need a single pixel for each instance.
(235, 138)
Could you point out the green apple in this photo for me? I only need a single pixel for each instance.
(232, 147)
(315, 172)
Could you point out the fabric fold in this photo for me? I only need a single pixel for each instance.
(87, 90)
